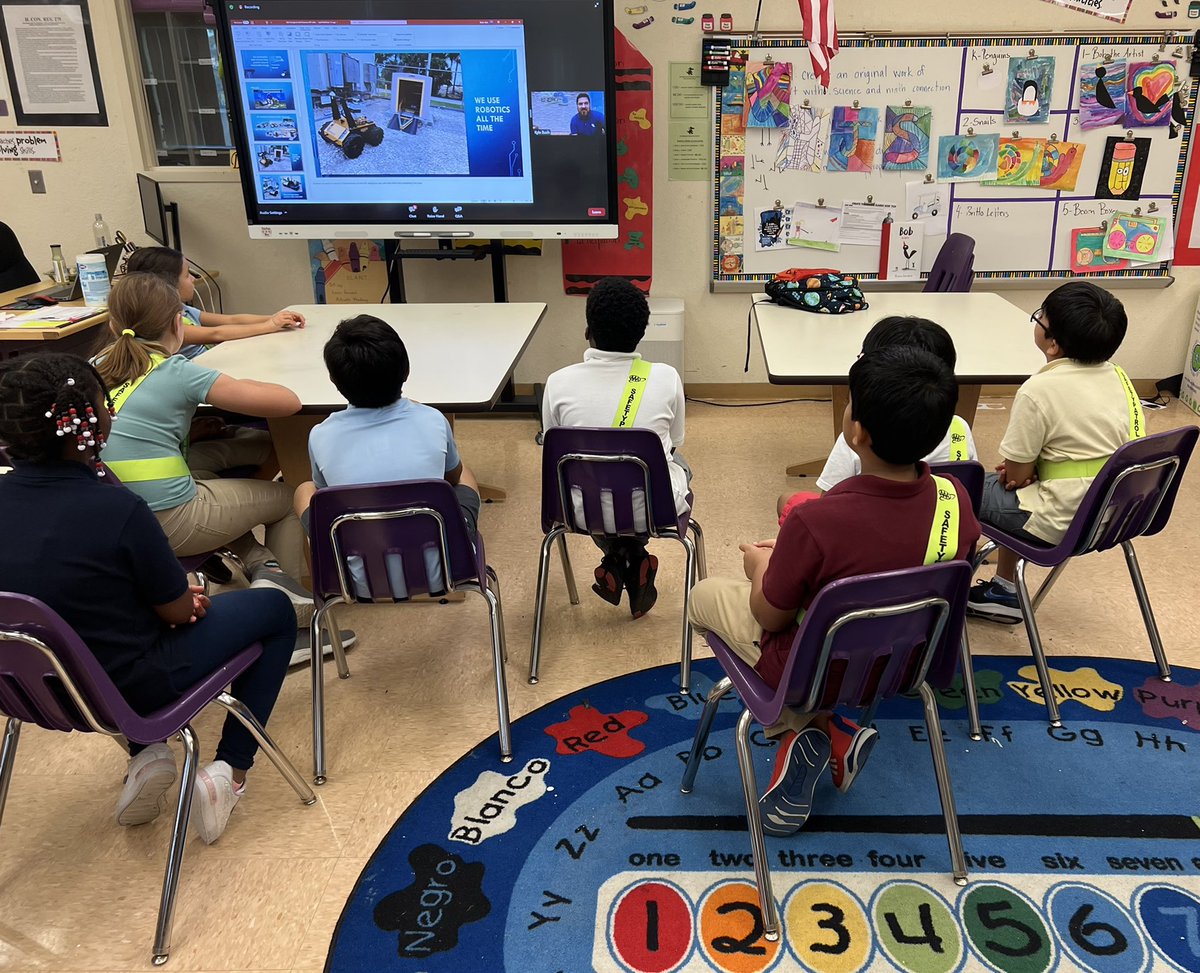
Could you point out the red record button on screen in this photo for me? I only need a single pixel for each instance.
(596, 211)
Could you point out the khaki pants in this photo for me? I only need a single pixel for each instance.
(224, 512)
(246, 447)
(722, 606)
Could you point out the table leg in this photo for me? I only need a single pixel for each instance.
(968, 402)
(841, 398)
(290, 436)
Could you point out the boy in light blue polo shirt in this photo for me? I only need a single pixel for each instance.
(382, 437)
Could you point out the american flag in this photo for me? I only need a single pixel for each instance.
(820, 31)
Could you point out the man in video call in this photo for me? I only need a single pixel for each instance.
(586, 121)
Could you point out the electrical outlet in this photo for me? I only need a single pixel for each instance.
(36, 182)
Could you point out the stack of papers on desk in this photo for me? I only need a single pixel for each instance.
(57, 316)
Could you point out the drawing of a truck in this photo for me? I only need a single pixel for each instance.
(927, 205)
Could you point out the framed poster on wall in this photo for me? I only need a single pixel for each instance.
(50, 59)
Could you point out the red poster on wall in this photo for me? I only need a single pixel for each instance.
(1187, 230)
(631, 254)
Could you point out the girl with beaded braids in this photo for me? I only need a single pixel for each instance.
(95, 554)
(155, 393)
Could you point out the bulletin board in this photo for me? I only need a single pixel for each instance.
(1021, 233)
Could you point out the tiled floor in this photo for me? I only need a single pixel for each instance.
(78, 893)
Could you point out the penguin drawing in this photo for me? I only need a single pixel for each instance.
(1103, 98)
(1029, 103)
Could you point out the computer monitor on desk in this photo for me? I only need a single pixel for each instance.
(155, 213)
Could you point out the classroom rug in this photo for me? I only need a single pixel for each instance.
(1083, 842)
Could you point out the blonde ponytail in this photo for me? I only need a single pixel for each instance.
(142, 309)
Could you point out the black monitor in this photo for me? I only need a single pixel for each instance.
(419, 118)
(155, 213)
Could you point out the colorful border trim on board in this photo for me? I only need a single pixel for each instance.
(727, 256)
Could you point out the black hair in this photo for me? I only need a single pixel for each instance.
(41, 397)
(367, 362)
(617, 314)
(582, 94)
(905, 398)
(161, 261)
(1087, 321)
(912, 332)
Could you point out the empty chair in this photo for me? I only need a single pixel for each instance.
(1132, 496)
(49, 677)
(610, 483)
(954, 266)
(385, 542)
(862, 640)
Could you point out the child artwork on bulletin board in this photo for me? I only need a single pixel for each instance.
(771, 231)
(1087, 252)
(1018, 163)
(1030, 82)
(1122, 168)
(815, 226)
(1151, 91)
(906, 137)
(1135, 237)
(1102, 94)
(347, 271)
(967, 158)
(804, 145)
(852, 139)
(1061, 162)
(768, 94)
(928, 203)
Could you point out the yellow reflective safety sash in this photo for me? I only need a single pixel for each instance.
(631, 398)
(144, 470)
(1073, 469)
(958, 441)
(943, 532)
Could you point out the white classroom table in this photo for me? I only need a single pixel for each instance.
(460, 355)
(993, 338)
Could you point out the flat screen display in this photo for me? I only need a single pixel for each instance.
(485, 118)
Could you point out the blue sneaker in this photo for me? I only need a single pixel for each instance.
(799, 764)
(989, 599)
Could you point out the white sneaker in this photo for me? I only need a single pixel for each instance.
(300, 597)
(213, 800)
(302, 654)
(150, 773)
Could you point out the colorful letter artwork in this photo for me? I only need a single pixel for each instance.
(1102, 94)
(1061, 162)
(1030, 82)
(1122, 168)
(1018, 163)
(967, 158)
(803, 147)
(852, 139)
(1151, 88)
(906, 138)
(768, 94)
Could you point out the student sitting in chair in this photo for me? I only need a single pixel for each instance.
(94, 553)
(590, 392)
(956, 446)
(1066, 421)
(901, 402)
(383, 436)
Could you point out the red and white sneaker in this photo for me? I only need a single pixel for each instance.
(851, 746)
(799, 763)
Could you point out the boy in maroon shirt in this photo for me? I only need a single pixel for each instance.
(901, 402)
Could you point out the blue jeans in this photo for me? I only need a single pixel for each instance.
(185, 655)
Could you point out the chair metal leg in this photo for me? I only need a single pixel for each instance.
(1049, 583)
(981, 555)
(689, 579)
(758, 843)
(268, 746)
(493, 600)
(1139, 588)
(867, 717)
(568, 571)
(166, 907)
(539, 610)
(202, 581)
(703, 728)
(8, 757)
(330, 624)
(493, 583)
(974, 727)
(318, 699)
(941, 771)
(1035, 646)
(701, 557)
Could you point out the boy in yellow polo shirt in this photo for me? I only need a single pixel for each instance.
(1067, 420)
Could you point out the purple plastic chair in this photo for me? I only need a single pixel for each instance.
(1132, 496)
(954, 267)
(862, 640)
(582, 467)
(49, 677)
(406, 538)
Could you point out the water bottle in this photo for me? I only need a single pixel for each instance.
(100, 232)
(60, 263)
(93, 278)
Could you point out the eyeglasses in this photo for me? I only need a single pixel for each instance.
(1038, 318)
